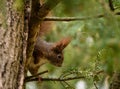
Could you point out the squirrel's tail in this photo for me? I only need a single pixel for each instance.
(45, 27)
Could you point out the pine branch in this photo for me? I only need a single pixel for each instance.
(34, 76)
(55, 79)
(95, 85)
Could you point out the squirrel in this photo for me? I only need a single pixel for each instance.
(46, 51)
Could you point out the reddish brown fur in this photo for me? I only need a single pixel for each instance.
(45, 51)
(48, 52)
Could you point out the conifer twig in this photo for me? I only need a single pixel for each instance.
(95, 85)
(34, 76)
(55, 79)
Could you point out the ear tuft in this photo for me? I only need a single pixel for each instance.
(62, 43)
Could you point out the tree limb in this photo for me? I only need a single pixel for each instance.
(46, 7)
(111, 5)
(56, 79)
(36, 78)
(95, 85)
(75, 18)
(37, 75)
(71, 18)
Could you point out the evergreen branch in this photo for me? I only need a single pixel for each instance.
(62, 83)
(65, 75)
(95, 85)
(34, 76)
(55, 79)
(69, 85)
(98, 72)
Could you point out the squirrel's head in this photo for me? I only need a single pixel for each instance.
(56, 55)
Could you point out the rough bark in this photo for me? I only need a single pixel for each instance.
(12, 48)
(13, 40)
(115, 81)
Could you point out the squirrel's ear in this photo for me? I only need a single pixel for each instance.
(62, 43)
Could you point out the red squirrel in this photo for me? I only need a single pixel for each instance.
(46, 51)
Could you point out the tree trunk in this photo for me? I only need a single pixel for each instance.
(115, 81)
(14, 17)
(12, 46)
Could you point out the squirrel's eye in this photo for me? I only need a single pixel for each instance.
(59, 56)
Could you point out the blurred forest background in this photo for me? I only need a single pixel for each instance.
(94, 51)
(94, 47)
